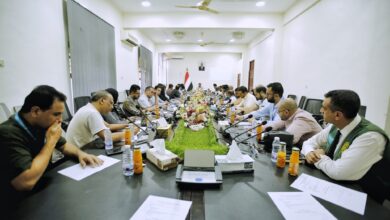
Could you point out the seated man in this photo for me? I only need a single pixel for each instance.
(131, 103)
(248, 103)
(146, 101)
(27, 141)
(261, 95)
(351, 147)
(296, 121)
(169, 90)
(238, 98)
(158, 90)
(88, 122)
(274, 95)
(116, 116)
(175, 92)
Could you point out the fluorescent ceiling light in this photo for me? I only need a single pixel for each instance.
(200, 40)
(232, 40)
(168, 40)
(145, 3)
(199, 3)
(260, 4)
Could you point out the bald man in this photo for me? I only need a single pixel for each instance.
(296, 121)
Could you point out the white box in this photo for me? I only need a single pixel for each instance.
(245, 164)
(162, 161)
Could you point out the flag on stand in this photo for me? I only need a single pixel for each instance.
(187, 81)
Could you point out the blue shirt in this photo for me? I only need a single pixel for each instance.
(269, 110)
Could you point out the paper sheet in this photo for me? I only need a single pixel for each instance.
(161, 208)
(339, 195)
(198, 177)
(78, 173)
(299, 205)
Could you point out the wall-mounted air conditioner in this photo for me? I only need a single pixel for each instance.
(129, 39)
(170, 56)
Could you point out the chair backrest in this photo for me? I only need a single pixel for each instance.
(313, 106)
(66, 117)
(127, 92)
(80, 102)
(362, 110)
(302, 101)
(291, 96)
(4, 112)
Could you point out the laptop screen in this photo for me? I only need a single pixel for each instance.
(199, 158)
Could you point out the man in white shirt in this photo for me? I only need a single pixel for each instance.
(351, 148)
(248, 102)
(146, 100)
(88, 121)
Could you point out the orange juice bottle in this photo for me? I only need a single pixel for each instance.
(157, 112)
(281, 156)
(137, 158)
(259, 130)
(232, 117)
(294, 162)
(227, 111)
(127, 136)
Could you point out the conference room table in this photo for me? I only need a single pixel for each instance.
(108, 194)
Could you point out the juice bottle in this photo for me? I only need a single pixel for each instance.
(294, 162)
(281, 156)
(138, 169)
(127, 136)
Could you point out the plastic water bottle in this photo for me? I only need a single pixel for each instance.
(275, 149)
(127, 161)
(108, 139)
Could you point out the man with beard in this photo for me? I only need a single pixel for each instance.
(130, 105)
(274, 95)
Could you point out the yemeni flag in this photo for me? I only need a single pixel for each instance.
(187, 81)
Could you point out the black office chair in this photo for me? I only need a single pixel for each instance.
(127, 92)
(80, 102)
(313, 106)
(293, 97)
(302, 101)
(4, 112)
(66, 117)
(362, 110)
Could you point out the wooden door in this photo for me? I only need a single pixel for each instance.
(251, 74)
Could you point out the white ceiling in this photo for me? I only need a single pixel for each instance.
(217, 36)
(192, 35)
(272, 6)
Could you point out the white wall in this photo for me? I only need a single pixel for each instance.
(32, 44)
(334, 45)
(220, 68)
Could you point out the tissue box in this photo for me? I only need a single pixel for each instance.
(164, 132)
(243, 165)
(165, 161)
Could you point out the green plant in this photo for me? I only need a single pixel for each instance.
(186, 138)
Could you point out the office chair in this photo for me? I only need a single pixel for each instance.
(5, 113)
(313, 106)
(80, 102)
(293, 97)
(302, 102)
(66, 117)
(362, 110)
(127, 92)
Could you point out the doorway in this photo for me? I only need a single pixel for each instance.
(251, 74)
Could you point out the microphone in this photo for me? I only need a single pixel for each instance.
(261, 124)
(132, 122)
(146, 117)
(234, 124)
(268, 129)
